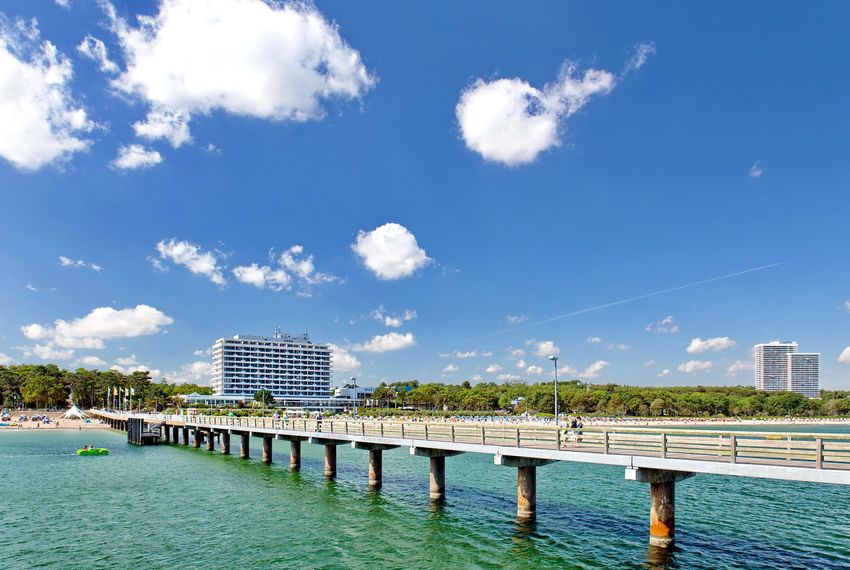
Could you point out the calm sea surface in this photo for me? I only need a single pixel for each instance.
(174, 506)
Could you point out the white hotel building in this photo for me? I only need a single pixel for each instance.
(294, 369)
(779, 367)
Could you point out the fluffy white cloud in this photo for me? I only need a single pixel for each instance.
(663, 373)
(62, 3)
(521, 363)
(493, 368)
(756, 170)
(262, 277)
(515, 319)
(847, 305)
(593, 340)
(692, 366)
(844, 357)
(303, 267)
(92, 361)
(546, 348)
(245, 57)
(165, 124)
(78, 263)
(154, 373)
(466, 354)
(620, 347)
(534, 369)
(193, 258)
(516, 353)
(127, 360)
(450, 369)
(387, 342)
(593, 370)
(135, 156)
(5, 359)
(508, 377)
(344, 361)
(95, 50)
(40, 123)
(715, 344)
(391, 319)
(47, 352)
(390, 251)
(642, 53)
(649, 362)
(31, 287)
(511, 122)
(739, 366)
(667, 325)
(101, 324)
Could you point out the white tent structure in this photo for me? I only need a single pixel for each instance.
(74, 413)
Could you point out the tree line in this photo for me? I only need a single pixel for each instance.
(577, 397)
(47, 386)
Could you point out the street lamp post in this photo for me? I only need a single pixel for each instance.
(554, 359)
(354, 380)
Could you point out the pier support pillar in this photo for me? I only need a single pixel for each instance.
(245, 447)
(175, 435)
(167, 433)
(662, 494)
(295, 454)
(330, 461)
(437, 469)
(225, 443)
(185, 436)
(210, 441)
(526, 483)
(376, 469)
(267, 449)
(196, 443)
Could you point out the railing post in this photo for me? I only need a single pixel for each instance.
(664, 446)
(402, 430)
(346, 427)
(482, 436)
(819, 443)
(426, 432)
(605, 442)
(382, 429)
(558, 439)
(733, 444)
(362, 428)
(517, 437)
(453, 434)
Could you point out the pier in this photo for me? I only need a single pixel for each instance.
(659, 458)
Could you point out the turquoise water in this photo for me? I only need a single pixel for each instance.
(179, 507)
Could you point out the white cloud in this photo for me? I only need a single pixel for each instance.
(95, 50)
(47, 352)
(844, 357)
(127, 361)
(508, 377)
(127, 370)
(715, 344)
(594, 369)
(642, 53)
(63, 3)
(515, 319)
(534, 369)
(521, 363)
(386, 342)
(101, 324)
(30, 287)
(78, 263)
(193, 258)
(511, 122)
(135, 156)
(197, 372)
(493, 368)
(253, 58)
(92, 361)
(516, 353)
(262, 277)
(667, 325)
(40, 122)
(567, 370)
(593, 340)
(756, 170)
(739, 366)
(391, 319)
(620, 347)
(165, 124)
(847, 305)
(450, 369)
(692, 366)
(344, 361)
(5, 359)
(390, 251)
(546, 348)
(649, 362)
(466, 354)
(302, 266)
(663, 373)
(202, 352)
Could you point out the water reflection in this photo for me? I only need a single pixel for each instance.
(660, 558)
(523, 539)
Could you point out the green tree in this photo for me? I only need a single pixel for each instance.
(264, 397)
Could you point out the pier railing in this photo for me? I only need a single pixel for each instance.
(819, 451)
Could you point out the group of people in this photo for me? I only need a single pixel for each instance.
(574, 432)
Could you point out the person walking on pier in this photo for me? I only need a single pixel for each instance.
(319, 422)
(579, 426)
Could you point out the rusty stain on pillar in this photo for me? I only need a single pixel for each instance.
(375, 468)
(662, 510)
(330, 461)
(245, 448)
(267, 449)
(437, 478)
(225, 443)
(295, 454)
(526, 492)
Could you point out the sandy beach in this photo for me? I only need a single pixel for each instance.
(56, 422)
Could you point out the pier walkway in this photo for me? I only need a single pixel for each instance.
(658, 456)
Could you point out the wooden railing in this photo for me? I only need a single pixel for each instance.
(830, 451)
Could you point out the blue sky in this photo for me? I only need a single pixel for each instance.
(462, 164)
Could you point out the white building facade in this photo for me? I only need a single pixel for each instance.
(295, 370)
(779, 367)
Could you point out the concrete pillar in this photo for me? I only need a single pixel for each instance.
(437, 490)
(175, 435)
(225, 443)
(662, 495)
(526, 492)
(295, 454)
(185, 436)
(330, 461)
(210, 441)
(166, 433)
(267, 449)
(197, 440)
(376, 469)
(245, 448)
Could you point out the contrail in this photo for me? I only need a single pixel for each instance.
(632, 299)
